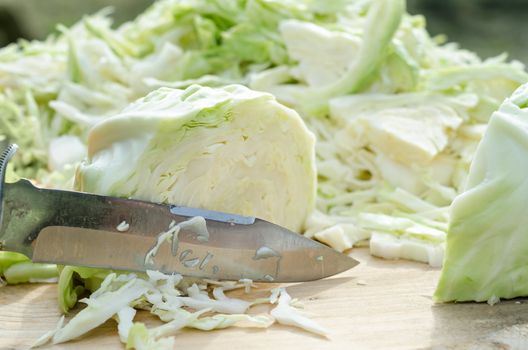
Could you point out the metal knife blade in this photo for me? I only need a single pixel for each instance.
(75, 228)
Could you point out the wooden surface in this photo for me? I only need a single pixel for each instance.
(377, 305)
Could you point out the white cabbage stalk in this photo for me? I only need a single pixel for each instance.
(228, 149)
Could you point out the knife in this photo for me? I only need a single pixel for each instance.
(75, 228)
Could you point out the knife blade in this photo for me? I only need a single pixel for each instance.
(75, 228)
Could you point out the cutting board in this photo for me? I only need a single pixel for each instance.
(377, 305)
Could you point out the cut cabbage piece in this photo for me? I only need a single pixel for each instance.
(324, 56)
(26, 271)
(342, 236)
(140, 339)
(381, 23)
(200, 300)
(220, 321)
(202, 147)
(125, 318)
(8, 259)
(123, 226)
(487, 242)
(392, 247)
(73, 281)
(101, 309)
(401, 227)
(287, 315)
(183, 318)
(409, 128)
(492, 80)
(64, 151)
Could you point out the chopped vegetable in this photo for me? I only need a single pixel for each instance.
(287, 315)
(8, 259)
(101, 308)
(140, 339)
(487, 244)
(201, 147)
(164, 296)
(74, 281)
(26, 271)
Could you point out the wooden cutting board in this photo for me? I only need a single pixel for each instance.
(377, 305)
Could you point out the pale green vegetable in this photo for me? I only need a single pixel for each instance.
(74, 281)
(487, 243)
(381, 23)
(125, 318)
(16, 268)
(164, 296)
(101, 308)
(230, 149)
(10, 258)
(24, 272)
(140, 339)
(402, 144)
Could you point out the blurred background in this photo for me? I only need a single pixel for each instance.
(488, 27)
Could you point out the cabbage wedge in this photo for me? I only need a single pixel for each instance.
(229, 149)
(487, 242)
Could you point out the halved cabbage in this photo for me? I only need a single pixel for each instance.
(229, 149)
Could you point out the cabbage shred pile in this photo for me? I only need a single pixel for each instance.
(397, 113)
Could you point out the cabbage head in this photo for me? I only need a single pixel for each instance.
(229, 149)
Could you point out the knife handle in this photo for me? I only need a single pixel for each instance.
(6, 155)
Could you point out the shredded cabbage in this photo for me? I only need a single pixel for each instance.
(167, 297)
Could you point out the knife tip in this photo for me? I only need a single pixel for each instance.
(344, 263)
